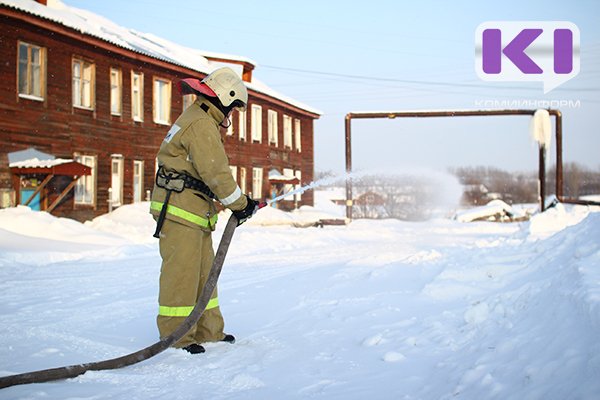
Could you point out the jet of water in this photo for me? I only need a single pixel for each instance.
(316, 184)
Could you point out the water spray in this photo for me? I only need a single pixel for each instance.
(312, 185)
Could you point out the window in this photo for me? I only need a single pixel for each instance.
(138, 180)
(83, 84)
(137, 96)
(229, 131)
(298, 133)
(31, 71)
(85, 187)
(287, 131)
(233, 172)
(272, 126)
(162, 101)
(257, 177)
(188, 100)
(242, 124)
(116, 181)
(116, 91)
(242, 182)
(298, 196)
(256, 123)
(288, 173)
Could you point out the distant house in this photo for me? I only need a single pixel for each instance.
(475, 194)
(78, 87)
(370, 205)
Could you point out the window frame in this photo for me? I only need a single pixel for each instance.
(30, 73)
(298, 174)
(117, 195)
(288, 133)
(242, 182)
(116, 91)
(272, 128)
(288, 187)
(229, 129)
(298, 134)
(137, 93)
(187, 100)
(86, 180)
(79, 94)
(161, 100)
(242, 121)
(138, 188)
(256, 121)
(257, 182)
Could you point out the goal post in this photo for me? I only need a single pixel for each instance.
(463, 113)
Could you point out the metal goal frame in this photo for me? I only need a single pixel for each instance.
(468, 113)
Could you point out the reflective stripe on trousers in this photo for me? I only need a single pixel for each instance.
(188, 216)
(184, 311)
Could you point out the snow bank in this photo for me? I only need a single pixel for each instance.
(556, 218)
(495, 209)
(132, 222)
(383, 309)
(41, 225)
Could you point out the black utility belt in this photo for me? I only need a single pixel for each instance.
(178, 182)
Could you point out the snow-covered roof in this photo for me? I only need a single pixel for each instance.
(274, 174)
(149, 44)
(28, 154)
(37, 163)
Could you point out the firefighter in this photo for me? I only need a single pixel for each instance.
(193, 173)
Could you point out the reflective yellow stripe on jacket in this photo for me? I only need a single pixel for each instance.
(184, 311)
(188, 216)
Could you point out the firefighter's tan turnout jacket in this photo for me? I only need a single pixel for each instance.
(193, 146)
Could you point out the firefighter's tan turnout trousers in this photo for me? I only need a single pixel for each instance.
(187, 255)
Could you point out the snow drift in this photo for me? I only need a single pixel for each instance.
(376, 309)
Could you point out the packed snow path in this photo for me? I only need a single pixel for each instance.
(375, 309)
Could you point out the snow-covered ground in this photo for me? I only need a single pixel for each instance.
(375, 309)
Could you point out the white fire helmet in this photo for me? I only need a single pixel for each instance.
(228, 87)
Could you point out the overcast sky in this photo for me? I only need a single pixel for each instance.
(343, 56)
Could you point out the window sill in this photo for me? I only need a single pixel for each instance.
(83, 108)
(30, 97)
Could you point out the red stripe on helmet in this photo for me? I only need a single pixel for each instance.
(195, 86)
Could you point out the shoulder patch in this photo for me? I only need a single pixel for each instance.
(174, 129)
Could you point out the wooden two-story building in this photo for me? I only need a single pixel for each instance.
(85, 93)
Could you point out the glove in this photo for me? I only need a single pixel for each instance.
(246, 213)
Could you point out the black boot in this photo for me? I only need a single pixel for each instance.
(194, 348)
(228, 338)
